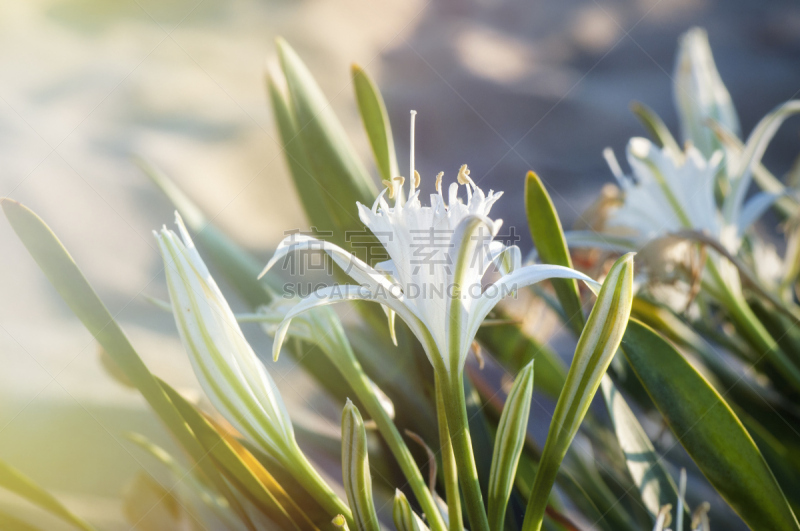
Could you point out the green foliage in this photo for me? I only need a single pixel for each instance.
(376, 123)
(709, 430)
(720, 372)
(597, 345)
(508, 445)
(548, 236)
(356, 475)
(14, 481)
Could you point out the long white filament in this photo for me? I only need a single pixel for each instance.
(411, 153)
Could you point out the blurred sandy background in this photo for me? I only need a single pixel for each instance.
(84, 84)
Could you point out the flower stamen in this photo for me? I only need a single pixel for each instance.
(463, 175)
(414, 182)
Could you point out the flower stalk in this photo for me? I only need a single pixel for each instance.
(449, 468)
(322, 327)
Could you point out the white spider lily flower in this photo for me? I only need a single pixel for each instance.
(233, 378)
(439, 255)
(666, 195)
(700, 94)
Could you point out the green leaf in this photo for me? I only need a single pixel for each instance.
(69, 282)
(307, 187)
(644, 464)
(572, 486)
(8, 521)
(551, 243)
(709, 431)
(404, 518)
(655, 127)
(251, 478)
(508, 444)
(593, 354)
(548, 237)
(334, 164)
(376, 122)
(202, 502)
(322, 327)
(13, 480)
(355, 470)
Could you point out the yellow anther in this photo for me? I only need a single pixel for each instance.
(390, 186)
(439, 181)
(417, 179)
(463, 175)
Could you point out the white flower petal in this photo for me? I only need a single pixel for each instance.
(755, 207)
(232, 376)
(353, 266)
(334, 294)
(512, 282)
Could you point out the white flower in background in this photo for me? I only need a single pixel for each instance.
(233, 378)
(665, 195)
(668, 192)
(439, 256)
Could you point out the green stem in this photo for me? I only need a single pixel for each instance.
(458, 425)
(748, 324)
(448, 465)
(313, 483)
(542, 485)
(363, 389)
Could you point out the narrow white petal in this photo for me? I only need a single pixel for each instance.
(508, 284)
(754, 209)
(338, 293)
(353, 266)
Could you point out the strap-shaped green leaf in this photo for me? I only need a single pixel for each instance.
(323, 327)
(308, 188)
(15, 481)
(405, 519)
(548, 237)
(250, 477)
(655, 485)
(596, 347)
(332, 159)
(355, 470)
(202, 502)
(554, 250)
(657, 129)
(709, 431)
(376, 122)
(63, 273)
(8, 521)
(508, 445)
